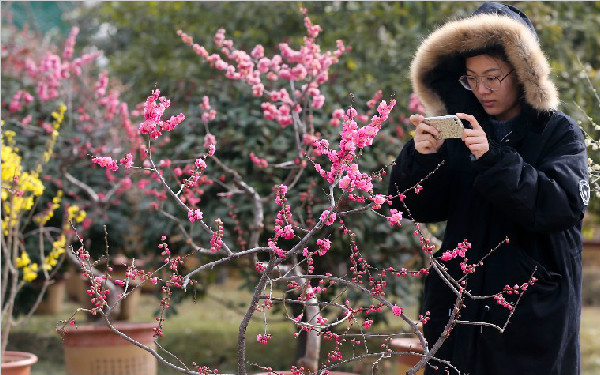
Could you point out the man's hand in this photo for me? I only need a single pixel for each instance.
(475, 138)
(425, 141)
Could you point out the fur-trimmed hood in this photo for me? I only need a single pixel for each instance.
(438, 64)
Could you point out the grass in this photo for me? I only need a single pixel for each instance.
(205, 331)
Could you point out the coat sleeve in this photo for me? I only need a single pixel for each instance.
(430, 204)
(549, 197)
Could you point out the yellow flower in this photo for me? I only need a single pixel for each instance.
(58, 249)
(50, 213)
(23, 260)
(20, 190)
(76, 214)
(30, 273)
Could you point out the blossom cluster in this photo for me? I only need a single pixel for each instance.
(153, 125)
(46, 71)
(344, 168)
(515, 290)
(307, 64)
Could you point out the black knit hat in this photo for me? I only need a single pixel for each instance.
(506, 10)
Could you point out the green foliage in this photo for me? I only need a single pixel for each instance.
(140, 39)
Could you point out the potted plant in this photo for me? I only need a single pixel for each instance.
(290, 236)
(31, 249)
(47, 188)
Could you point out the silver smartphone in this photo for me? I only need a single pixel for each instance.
(448, 126)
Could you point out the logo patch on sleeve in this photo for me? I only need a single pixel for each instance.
(584, 191)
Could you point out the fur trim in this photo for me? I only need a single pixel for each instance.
(481, 31)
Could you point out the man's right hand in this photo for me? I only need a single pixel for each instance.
(425, 141)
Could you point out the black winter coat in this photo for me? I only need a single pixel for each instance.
(528, 190)
(532, 188)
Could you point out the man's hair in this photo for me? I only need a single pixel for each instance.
(493, 51)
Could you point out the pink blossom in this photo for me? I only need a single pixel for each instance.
(27, 120)
(153, 125)
(286, 232)
(209, 139)
(15, 103)
(263, 65)
(341, 48)
(276, 249)
(313, 30)
(209, 116)
(258, 89)
(200, 51)
(221, 65)
(200, 163)
(106, 162)
(127, 161)
(258, 51)
(271, 76)
(459, 251)
(263, 339)
(368, 323)
(164, 163)
(377, 97)
(171, 123)
(378, 199)
(322, 146)
(260, 268)
(328, 217)
(396, 218)
(219, 37)
(194, 215)
(259, 162)
(216, 241)
(338, 113)
(185, 38)
(415, 105)
(70, 43)
(318, 101)
(101, 84)
(211, 150)
(397, 310)
(299, 72)
(205, 103)
(281, 191)
(285, 74)
(27, 97)
(324, 246)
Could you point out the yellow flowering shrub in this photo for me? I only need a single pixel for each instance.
(20, 190)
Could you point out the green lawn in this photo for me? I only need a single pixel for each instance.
(206, 332)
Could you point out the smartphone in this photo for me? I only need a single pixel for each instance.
(448, 126)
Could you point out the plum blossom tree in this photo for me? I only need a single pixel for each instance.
(284, 243)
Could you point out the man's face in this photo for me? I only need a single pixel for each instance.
(502, 103)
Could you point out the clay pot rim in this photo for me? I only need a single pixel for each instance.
(25, 359)
(407, 343)
(121, 326)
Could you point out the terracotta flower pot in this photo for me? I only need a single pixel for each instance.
(290, 373)
(53, 300)
(97, 350)
(407, 344)
(18, 363)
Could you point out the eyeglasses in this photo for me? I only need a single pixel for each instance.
(491, 83)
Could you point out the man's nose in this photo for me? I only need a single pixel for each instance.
(482, 89)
